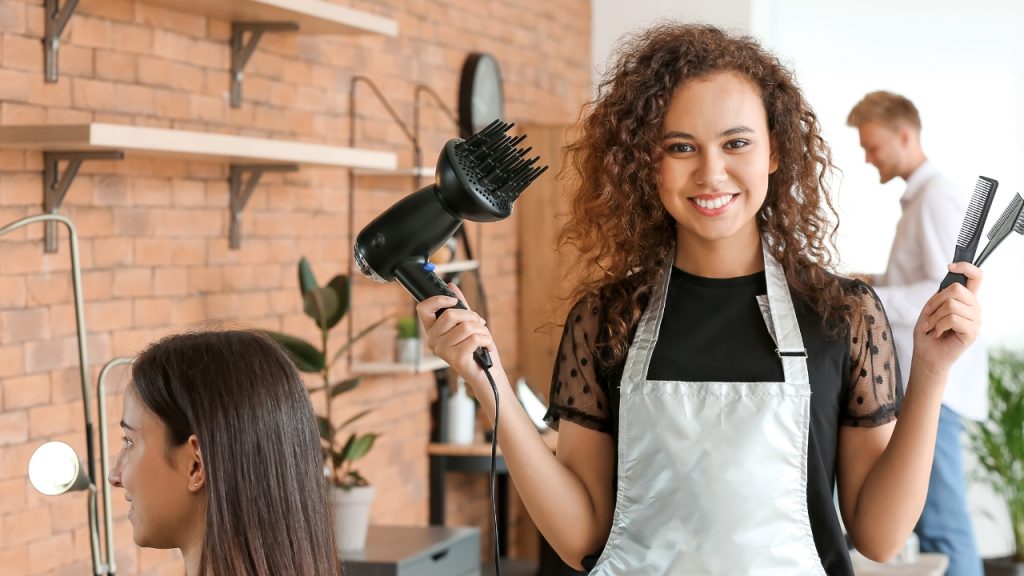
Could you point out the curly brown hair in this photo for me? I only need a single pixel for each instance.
(617, 221)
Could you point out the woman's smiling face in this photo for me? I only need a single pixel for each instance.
(716, 158)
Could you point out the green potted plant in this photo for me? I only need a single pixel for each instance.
(999, 444)
(407, 343)
(353, 495)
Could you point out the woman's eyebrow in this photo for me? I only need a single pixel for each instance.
(687, 136)
(127, 427)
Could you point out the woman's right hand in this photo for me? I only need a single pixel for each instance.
(456, 334)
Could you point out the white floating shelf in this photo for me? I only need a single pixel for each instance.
(312, 16)
(422, 171)
(187, 144)
(457, 266)
(427, 364)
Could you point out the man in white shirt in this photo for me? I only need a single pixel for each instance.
(933, 209)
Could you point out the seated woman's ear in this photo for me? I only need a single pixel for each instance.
(194, 460)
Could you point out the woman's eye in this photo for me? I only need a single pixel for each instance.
(126, 443)
(680, 148)
(737, 144)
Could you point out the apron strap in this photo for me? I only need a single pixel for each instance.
(784, 324)
(638, 358)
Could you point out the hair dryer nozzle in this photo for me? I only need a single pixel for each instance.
(477, 179)
(481, 177)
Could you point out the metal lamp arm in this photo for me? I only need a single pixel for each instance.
(83, 365)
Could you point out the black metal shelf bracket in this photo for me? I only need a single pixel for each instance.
(242, 49)
(241, 189)
(56, 184)
(57, 17)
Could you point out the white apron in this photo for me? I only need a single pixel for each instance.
(712, 476)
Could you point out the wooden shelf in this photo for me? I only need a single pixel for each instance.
(427, 364)
(312, 16)
(182, 143)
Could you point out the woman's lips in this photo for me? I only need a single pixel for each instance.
(712, 205)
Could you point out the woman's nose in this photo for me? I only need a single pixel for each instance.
(114, 478)
(712, 169)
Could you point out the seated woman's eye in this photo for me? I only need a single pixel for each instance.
(126, 442)
(680, 148)
(737, 144)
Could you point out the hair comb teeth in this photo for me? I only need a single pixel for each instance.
(970, 230)
(1008, 221)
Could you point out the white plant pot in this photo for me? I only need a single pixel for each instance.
(407, 350)
(352, 516)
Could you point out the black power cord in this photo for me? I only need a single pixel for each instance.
(483, 359)
(494, 459)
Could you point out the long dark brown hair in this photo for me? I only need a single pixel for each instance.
(617, 221)
(267, 511)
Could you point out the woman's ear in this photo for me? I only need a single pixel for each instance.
(196, 468)
(773, 160)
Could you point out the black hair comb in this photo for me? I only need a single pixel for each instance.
(1011, 220)
(970, 230)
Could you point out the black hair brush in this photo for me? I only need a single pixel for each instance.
(477, 179)
(1011, 220)
(970, 230)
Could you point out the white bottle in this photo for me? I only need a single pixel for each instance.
(461, 415)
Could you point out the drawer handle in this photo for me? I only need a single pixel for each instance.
(438, 556)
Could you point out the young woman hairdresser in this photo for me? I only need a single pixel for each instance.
(714, 380)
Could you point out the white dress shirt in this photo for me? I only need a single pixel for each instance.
(933, 210)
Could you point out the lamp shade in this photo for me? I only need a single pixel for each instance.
(55, 469)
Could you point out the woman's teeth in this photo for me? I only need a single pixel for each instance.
(714, 203)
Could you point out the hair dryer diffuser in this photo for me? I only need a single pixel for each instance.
(477, 179)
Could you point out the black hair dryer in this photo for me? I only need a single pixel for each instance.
(477, 179)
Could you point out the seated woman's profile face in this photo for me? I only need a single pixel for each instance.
(165, 506)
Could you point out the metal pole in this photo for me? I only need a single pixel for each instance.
(101, 406)
(83, 365)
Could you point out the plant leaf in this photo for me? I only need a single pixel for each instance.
(361, 446)
(320, 304)
(338, 457)
(340, 285)
(307, 281)
(343, 454)
(354, 418)
(305, 356)
(342, 387)
(325, 428)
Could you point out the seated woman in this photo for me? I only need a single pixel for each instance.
(221, 458)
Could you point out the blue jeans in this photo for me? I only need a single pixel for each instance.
(945, 525)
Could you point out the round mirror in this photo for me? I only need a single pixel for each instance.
(481, 99)
(55, 469)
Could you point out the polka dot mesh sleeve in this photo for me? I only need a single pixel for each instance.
(577, 393)
(875, 391)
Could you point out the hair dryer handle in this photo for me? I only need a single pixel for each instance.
(419, 279)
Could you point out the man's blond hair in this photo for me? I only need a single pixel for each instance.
(885, 108)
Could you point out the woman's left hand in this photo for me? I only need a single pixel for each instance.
(950, 321)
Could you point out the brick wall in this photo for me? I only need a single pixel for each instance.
(154, 231)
